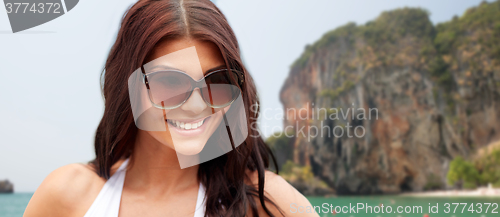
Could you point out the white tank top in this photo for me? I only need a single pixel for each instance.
(107, 203)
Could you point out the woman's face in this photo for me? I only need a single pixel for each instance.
(190, 126)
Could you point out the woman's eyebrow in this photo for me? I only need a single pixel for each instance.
(215, 68)
(173, 68)
(164, 67)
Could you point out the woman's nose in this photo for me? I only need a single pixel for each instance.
(195, 103)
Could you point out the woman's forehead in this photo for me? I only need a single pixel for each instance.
(188, 55)
(185, 60)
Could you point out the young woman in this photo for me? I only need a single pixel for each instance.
(156, 183)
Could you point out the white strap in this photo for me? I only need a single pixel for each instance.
(107, 203)
(200, 202)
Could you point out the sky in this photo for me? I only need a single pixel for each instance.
(49, 88)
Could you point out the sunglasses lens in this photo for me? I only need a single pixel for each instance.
(169, 88)
(221, 88)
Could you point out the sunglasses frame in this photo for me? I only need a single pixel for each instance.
(194, 84)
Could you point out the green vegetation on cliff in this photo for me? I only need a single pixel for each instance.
(301, 177)
(347, 31)
(462, 172)
(489, 168)
(485, 17)
(388, 28)
(482, 171)
(391, 26)
(469, 47)
(281, 146)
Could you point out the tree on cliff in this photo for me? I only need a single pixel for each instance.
(462, 173)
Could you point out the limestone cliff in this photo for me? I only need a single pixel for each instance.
(422, 93)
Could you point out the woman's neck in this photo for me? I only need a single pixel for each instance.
(155, 168)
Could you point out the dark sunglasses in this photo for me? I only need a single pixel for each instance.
(170, 89)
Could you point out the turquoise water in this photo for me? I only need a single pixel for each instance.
(13, 205)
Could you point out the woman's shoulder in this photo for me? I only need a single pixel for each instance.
(68, 190)
(281, 193)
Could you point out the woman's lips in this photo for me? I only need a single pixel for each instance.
(188, 128)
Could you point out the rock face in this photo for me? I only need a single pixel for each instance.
(6, 187)
(416, 94)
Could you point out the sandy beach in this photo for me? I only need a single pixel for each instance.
(479, 192)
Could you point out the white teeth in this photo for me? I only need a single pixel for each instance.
(186, 126)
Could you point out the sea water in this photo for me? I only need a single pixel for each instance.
(13, 205)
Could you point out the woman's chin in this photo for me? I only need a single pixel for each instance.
(189, 147)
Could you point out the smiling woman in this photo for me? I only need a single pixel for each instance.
(174, 139)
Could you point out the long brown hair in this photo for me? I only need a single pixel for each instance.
(143, 26)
